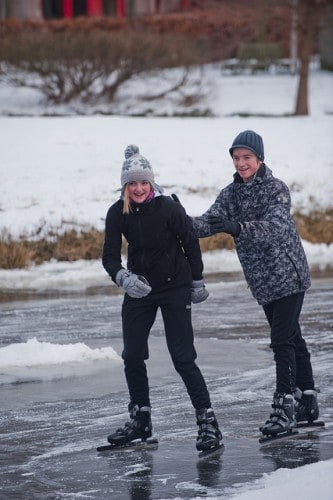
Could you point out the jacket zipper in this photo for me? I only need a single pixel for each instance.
(141, 236)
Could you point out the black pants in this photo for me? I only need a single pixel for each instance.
(292, 358)
(138, 316)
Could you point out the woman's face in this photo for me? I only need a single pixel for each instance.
(246, 163)
(138, 191)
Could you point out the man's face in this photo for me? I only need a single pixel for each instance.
(246, 163)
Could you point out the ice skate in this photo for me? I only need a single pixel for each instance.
(306, 405)
(209, 435)
(139, 427)
(282, 420)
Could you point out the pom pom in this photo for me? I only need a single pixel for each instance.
(131, 150)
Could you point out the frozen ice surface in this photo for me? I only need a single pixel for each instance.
(53, 416)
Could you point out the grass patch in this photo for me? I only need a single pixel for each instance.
(317, 227)
(70, 246)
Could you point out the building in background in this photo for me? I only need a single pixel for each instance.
(20, 9)
(54, 9)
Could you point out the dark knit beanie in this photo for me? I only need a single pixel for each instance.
(249, 140)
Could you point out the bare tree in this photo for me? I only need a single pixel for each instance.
(308, 13)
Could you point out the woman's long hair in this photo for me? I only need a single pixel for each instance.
(127, 203)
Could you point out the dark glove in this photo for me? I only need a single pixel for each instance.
(199, 293)
(135, 286)
(221, 225)
(175, 198)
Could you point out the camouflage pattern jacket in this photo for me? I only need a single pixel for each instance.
(268, 246)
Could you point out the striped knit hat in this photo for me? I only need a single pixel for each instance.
(249, 140)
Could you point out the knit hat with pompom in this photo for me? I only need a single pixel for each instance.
(136, 167)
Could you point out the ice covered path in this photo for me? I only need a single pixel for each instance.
(53, 417)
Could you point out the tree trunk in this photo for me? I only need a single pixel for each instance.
(308, 28)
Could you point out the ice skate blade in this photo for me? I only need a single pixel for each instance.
(303, 430)
(315, 423)
(211, 451)
(138, 444)
(269, 438)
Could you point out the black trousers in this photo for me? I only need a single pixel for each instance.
(138, 316)
(292, 358)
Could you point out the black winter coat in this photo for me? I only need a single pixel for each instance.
(161, 243)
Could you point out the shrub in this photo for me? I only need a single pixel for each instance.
(90, 66)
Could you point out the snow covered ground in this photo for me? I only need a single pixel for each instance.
(307, 482)
(63, 172)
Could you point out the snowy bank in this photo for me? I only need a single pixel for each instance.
(314, 481)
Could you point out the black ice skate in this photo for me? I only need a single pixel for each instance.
(306, 405)
(209, 435)
(282, 420)
(139, 427)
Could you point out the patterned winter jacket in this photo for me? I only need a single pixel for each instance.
(268, 246)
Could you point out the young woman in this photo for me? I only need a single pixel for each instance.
(164, 270)
(255, 210)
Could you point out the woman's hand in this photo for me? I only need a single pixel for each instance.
(135, 286)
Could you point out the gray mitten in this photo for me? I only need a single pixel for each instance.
(198, 291)
(134, 285)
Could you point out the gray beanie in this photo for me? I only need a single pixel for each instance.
(136, 167)
(249, 140)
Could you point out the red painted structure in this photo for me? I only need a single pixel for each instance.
(94, 8)
(67, 6)
(72, 8)
(185, 4)
(121, 8)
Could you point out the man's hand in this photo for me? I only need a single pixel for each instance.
(221, 225)
(135, 286)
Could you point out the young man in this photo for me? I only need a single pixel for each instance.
(255, 210)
